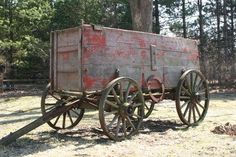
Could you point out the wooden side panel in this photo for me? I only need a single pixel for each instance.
(105, 50)
(67, 59)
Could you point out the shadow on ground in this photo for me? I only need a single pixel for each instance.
(82, 138)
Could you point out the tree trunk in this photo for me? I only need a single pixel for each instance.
(184, 19)
(156, 15)
(232, 11)
(218, 22)
(225, 33)
(232, 24)
(141, 12)
(201, 37)
(219, 56)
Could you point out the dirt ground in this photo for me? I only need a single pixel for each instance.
(162, 133)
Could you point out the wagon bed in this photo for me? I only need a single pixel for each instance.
(86, 58)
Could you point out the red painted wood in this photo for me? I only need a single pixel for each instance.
(101, 52)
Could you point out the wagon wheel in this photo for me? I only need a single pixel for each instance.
(156, 91)
(148, 108)
(51, 100)
(192, 97)
(121, 108)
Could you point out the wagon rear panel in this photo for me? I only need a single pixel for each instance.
(66, 59)
(137, 55)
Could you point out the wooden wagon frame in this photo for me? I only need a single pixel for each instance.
(123, 74)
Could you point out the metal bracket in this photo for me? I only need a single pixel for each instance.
(97, 28)
(153, 57)
(117, 73)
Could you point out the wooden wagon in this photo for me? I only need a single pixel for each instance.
(123, 74)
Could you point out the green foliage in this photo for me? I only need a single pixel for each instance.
(24, 35)
(111, 13)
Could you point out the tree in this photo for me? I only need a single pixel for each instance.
(110, 13)
(25, 34)
(141, 12)
(184, 19)
(157, 27)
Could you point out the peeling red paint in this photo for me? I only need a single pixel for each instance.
(160, 54)
(103, 51)
(94, 37)
(144, 54)
(140, 40)
(193, 57)
(91, 82)
(65, 56)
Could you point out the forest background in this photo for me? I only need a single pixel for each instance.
(25, 27)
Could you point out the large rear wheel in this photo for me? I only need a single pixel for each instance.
(121, 108)
(192, 97)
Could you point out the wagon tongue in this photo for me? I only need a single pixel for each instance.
(38, 122)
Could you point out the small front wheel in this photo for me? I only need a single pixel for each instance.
(51, 100)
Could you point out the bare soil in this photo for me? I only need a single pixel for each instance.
(162, 133)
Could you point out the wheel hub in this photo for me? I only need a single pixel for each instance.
(196, 97)
(126, 109)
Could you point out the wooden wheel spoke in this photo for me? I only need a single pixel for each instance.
(54, 96)
(113, 121)
(186, 109)
(124, 126)
(71, 120)
(115, 96)
(50, 104)
(133, 96)
(194, 116)
(184, 104)
(121, 92)
(198, 112)
(55, 122)
(50, 108)
(191, 81)
(139, 104)
(188, 86)
(185, 97)
(189, 114)
(136, 115)
(185, 90)
(75, 112)
(202, 91)
(111, 104)
(194, 83)
(130, 122)
(127, 92)
(200, 105)
(146, 106)
(118, 126)
(64, 121)
(199, 85)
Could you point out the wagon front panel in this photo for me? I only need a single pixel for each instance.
(65, 63)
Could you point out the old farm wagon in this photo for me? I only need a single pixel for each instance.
(122, 74)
